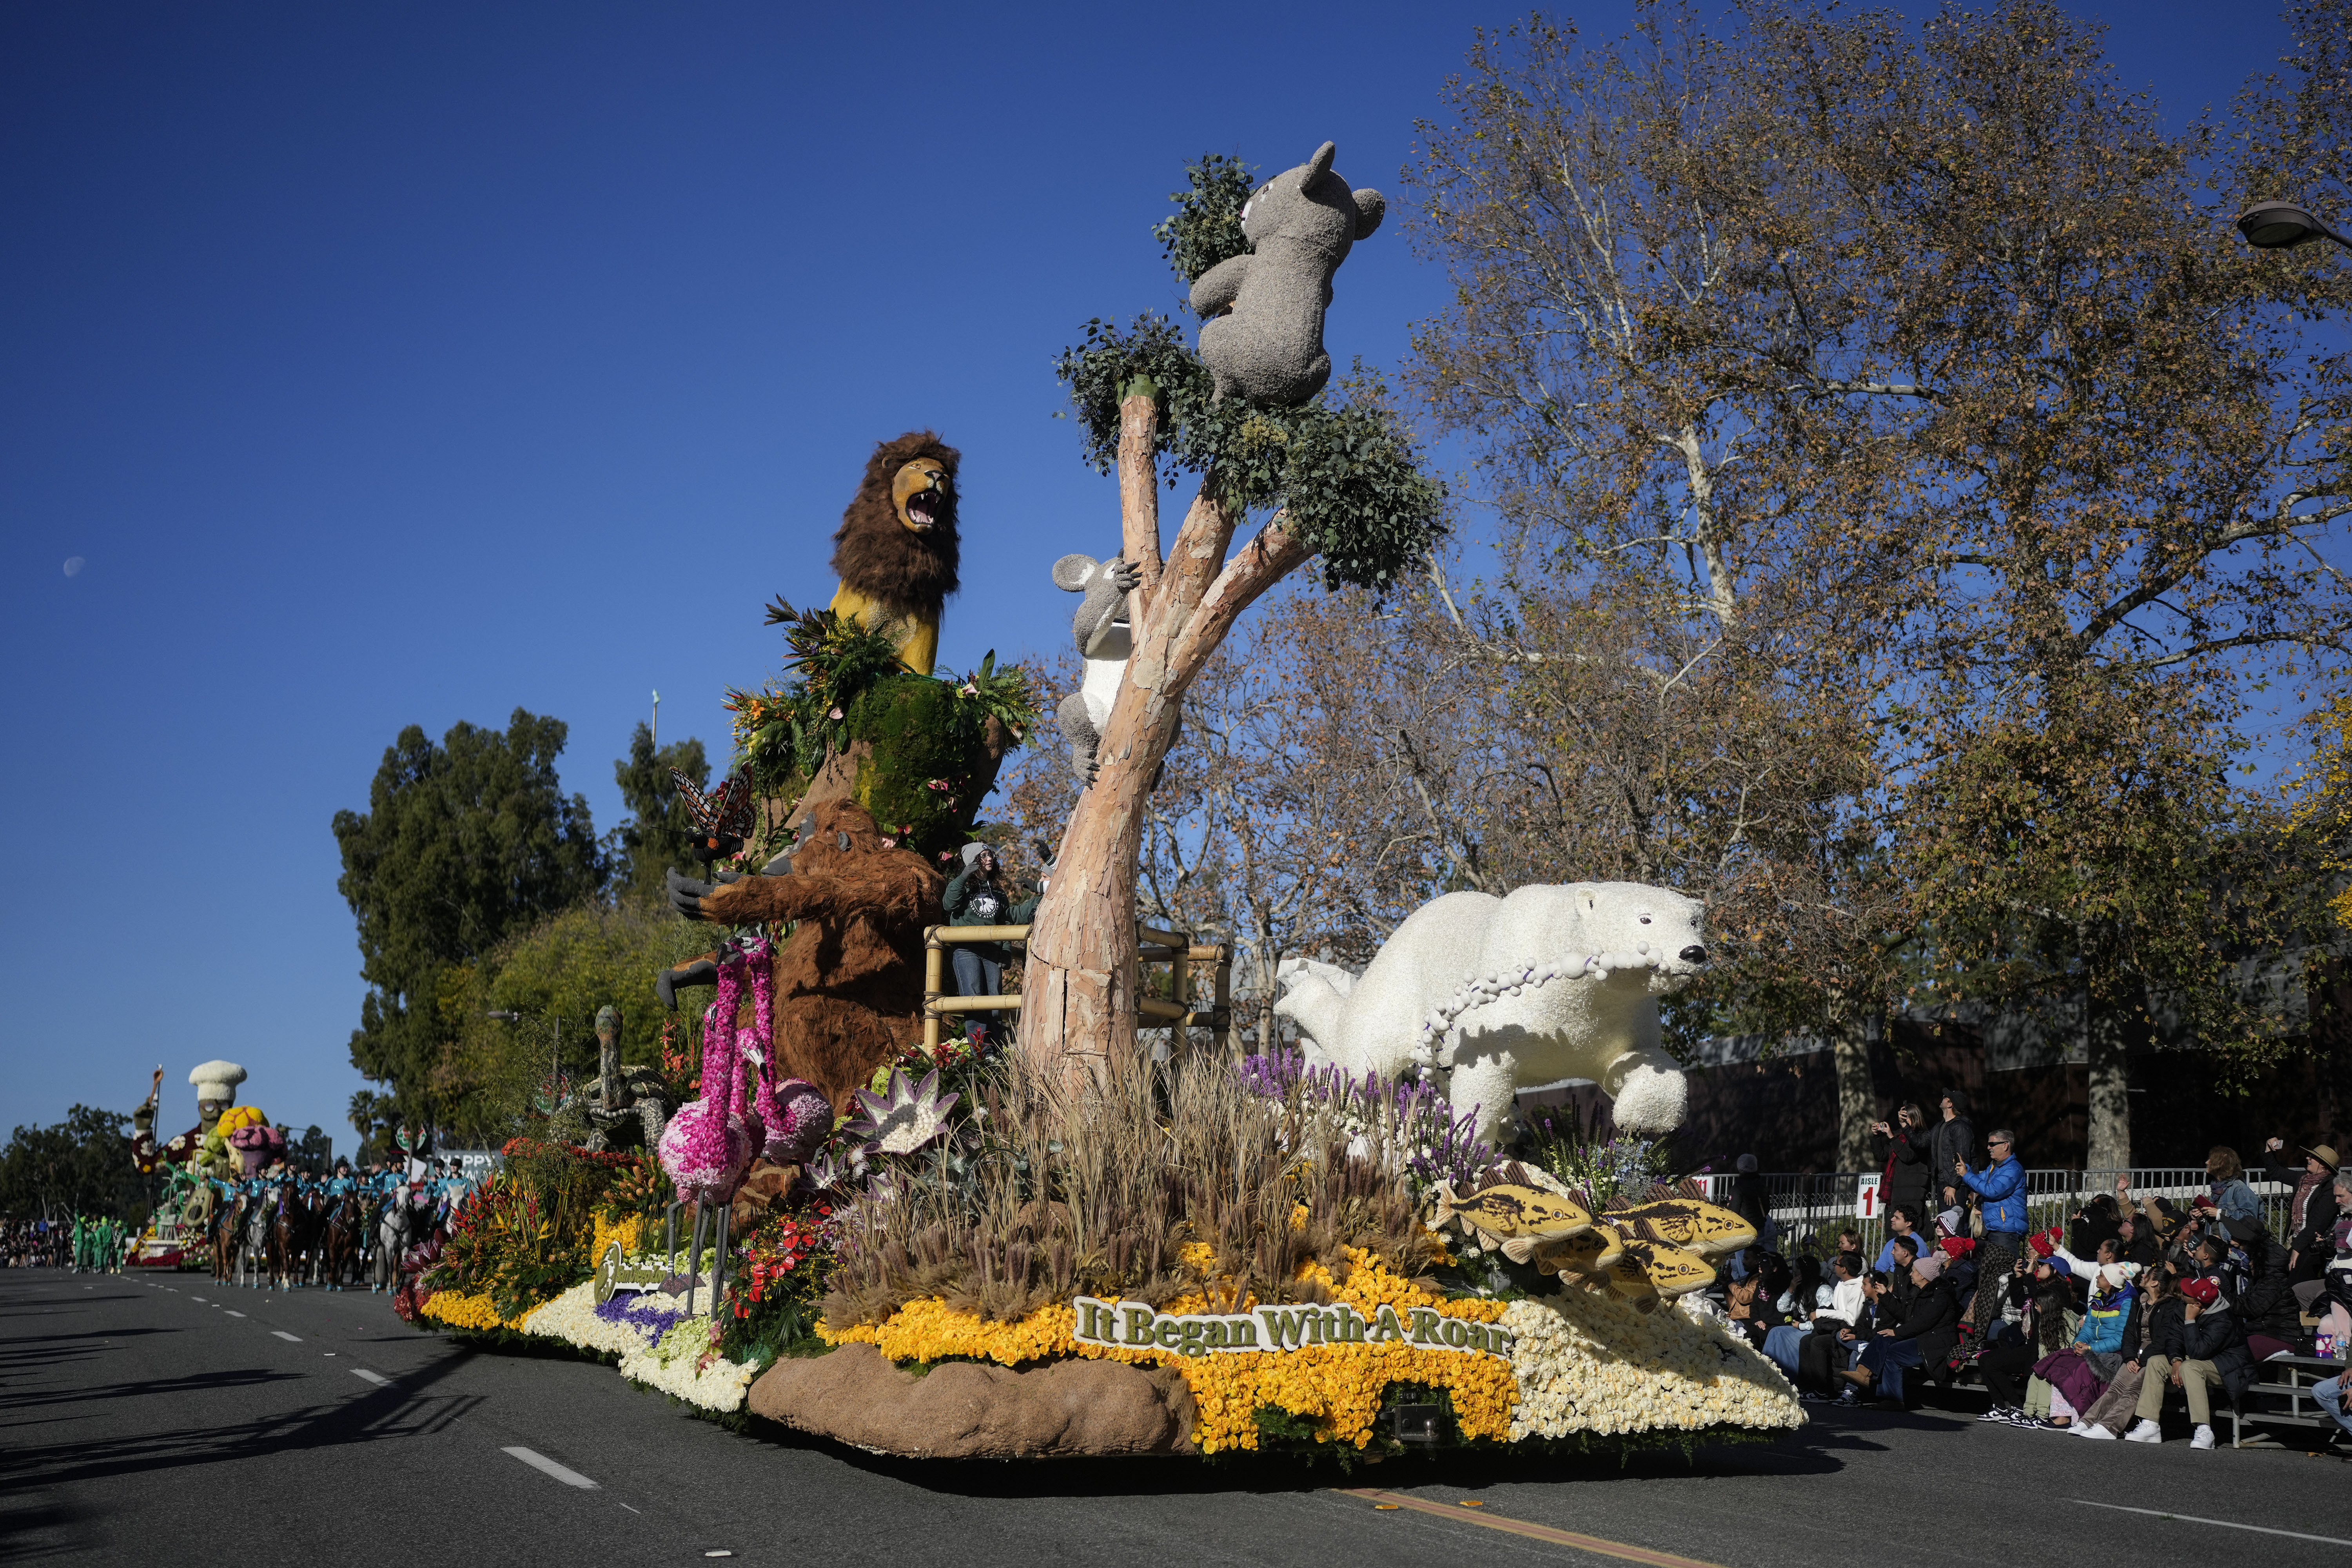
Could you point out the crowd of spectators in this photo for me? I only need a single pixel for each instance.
(2099, 1327)
(40, 1244)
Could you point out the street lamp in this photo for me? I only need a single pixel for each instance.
(2281, 225)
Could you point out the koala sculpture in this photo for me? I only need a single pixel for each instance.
(1549, 983)
(1262, 314)
(1105, 638)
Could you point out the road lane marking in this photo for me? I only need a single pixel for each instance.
(234, 1313)
(290, 1339)
(539, 1462)
(1592, 1544)
(2224, 1523)
(197, 1298)
(372, 1378)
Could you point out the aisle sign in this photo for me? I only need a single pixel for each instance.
(1866, 1198)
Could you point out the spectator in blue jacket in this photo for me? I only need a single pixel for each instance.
(1999, 1188)
(1902, 1220)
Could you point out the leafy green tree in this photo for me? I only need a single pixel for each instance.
(463, 845)
(1923, 365)
(80, 1165)
(553, 978)
(659, 830)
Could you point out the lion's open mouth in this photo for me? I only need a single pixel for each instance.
(922, 511)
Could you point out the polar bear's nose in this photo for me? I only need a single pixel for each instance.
(1694, 955)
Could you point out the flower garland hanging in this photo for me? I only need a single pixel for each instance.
(708, 1143)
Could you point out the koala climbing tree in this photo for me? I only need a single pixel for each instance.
(1335, 481)
(1103, 632)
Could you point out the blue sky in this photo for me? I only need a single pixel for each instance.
(392, 365)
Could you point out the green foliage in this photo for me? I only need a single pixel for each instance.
(1344, 475)
(931, 764)
(927, 746)
(522, 1238)
(1619, 1169)
(1109, 363)
(659, 833)
(80, 1165)
(463, 844)
(1206, 227)
(560, 971)
(784, 733)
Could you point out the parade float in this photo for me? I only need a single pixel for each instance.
(925, 1243)
(226, 1142)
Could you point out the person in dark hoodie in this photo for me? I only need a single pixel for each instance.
(1923, 1337)
(1953, 1142)
(2263, 1297)
(2212, 1356)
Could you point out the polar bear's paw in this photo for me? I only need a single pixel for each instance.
(1652, 1102)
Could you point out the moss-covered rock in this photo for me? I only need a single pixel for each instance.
(927, 769)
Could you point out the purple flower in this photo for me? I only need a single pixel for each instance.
(648, 1311)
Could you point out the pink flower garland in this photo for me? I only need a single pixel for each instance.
(708, 1145)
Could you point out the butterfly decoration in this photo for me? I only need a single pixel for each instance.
(723, 814)
(554, 1093)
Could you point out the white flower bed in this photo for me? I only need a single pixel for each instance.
(1586, 1362)
(672, 1367)
(668, 1364)
(572, 1317)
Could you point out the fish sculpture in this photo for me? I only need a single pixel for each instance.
(1592, 1253)
(1519, 1217)
(1687, 1224)
(1652, 1271)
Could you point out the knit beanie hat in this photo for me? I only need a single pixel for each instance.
(1929, 1267)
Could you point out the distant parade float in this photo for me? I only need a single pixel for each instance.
(874, 1217)
(231, 1202)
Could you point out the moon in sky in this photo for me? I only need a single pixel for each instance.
(74, 564)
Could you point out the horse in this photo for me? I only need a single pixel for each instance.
(293, 1229)
(226, 1219)
(346, 1227)
(252, 1246)
(397, 1230)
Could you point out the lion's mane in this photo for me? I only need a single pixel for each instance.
(882, 558)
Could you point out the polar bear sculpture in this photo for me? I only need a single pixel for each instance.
(1493, 996)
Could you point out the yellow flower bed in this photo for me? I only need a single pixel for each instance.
(629, 1233)
(463, 1312)
(1336, 1387)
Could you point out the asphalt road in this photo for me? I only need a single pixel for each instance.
(160, 1419)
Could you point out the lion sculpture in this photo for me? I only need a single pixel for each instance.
(896, 550)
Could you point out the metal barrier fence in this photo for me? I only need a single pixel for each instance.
(1806, 1203)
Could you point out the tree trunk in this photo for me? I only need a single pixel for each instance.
(1857, 1094)
(1080, 988)
(1139, 489)
(2110, 1076)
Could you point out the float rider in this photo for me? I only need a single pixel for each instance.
(977, 896)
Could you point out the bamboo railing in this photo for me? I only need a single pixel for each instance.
(1185, 958)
